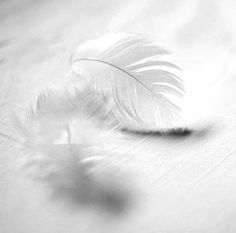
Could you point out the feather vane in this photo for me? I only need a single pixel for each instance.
(127, 70)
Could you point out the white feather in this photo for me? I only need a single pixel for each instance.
(70, 143)
(70, 130)
(126, 69)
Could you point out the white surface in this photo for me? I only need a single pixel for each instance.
(184, 185)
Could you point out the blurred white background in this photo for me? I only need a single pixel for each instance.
(37, 39)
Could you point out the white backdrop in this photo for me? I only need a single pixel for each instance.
(186, 185)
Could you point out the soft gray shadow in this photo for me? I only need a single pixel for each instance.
(175, 133)
(73, 183)
(171, 133)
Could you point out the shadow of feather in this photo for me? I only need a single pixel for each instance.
(175, 133)
(83, 184)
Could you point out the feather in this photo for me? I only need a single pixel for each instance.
(67, 111)
(72, 130)
(126, 69)
(68, 148)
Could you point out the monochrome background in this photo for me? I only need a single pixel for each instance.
(183, 185)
